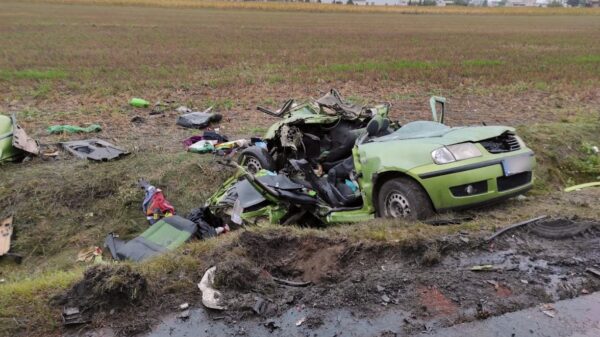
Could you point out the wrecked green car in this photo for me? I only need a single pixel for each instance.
(332, 161)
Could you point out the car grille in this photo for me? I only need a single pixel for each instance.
(506, 142)
(514, 181)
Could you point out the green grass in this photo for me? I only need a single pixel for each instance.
(482, 63)
(564, 151)
(360, 67)
(32, 74)
(588, 59)
(24, 304)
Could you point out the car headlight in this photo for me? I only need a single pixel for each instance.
(456, 152)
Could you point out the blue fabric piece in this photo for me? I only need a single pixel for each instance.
(150, 190)
(351, 184)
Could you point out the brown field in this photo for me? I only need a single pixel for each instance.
(80, 62)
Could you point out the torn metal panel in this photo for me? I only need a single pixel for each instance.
(94, 149)
(22, 141)
(6, 230)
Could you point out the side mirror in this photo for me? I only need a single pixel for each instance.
(433, 102)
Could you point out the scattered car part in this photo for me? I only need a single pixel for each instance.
(165, 235)
(198, 120)
(74, 129)
(210, 297)
(582, 186)
(91, 254)
(94, 149)
(72, 316)
(14, 140)
(139, 103)
(557, 229)
(593, 271)
(291, 283)
(484, 267)
(6, 230)
(517, 225)
(22, 141)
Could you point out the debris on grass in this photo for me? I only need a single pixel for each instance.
(517, 225)
(74, 129)
(139, 103)
(94, 149)
(199, 120)
(582, 186)
(484, 267)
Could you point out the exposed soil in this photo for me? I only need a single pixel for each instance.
(106, 289)
(540, 263)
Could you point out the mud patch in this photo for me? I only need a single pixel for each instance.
(104, 288)
(310, 258)
(432, 282)
(436, 303)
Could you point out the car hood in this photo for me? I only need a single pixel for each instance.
(433, 132)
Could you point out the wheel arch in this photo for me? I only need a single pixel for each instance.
(381, 178)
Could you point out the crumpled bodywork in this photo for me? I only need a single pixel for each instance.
(338, 155)
(14, 141)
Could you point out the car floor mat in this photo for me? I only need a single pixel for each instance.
(94, 149)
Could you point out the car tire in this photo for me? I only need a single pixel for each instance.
(403, 198)
(255, 158)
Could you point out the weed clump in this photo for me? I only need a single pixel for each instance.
(431, 256)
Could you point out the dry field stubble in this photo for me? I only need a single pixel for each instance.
(80, 64)
(73, 63)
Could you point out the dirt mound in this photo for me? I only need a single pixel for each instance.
(309, 258)
(237, 273)
(105, 287)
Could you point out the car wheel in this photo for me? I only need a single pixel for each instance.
(403, 198)
(255, 159)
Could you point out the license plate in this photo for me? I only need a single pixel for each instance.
(515, 165)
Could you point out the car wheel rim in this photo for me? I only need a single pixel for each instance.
(397, 206)
(252, 164)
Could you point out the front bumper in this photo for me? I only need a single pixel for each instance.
(477, 182)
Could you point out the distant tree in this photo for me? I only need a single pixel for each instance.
(349, 2)
(502, 3)
(573, 3)
(461, 2)
(485, 3)
(428, 3)
(555, 3)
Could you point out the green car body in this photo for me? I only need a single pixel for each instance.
(500, 164)
(379, 161)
